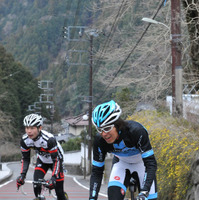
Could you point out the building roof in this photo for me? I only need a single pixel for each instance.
(77, 120)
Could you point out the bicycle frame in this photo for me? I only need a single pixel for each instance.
(133, 187)
(45, 186)
(43, 183)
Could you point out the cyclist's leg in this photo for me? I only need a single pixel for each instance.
(119, 180)
(39, 173)
(59, 188)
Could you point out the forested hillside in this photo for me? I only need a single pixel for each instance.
(18, 89)
(32, 30)
(131, 61)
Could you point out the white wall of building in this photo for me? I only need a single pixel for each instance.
(190, 106)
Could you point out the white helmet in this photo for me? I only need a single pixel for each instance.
(33, 120)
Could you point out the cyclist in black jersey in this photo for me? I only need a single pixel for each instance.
(49, 155)
(133, 154)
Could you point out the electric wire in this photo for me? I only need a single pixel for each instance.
(108, 40)
(76, 18)
(137, 43)
(68, 7)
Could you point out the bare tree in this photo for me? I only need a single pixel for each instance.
(191, 8)
(147, 64)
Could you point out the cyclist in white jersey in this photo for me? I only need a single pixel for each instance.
(49, 155)
(133, 154)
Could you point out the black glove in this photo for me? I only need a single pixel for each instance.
(142, 196)
(51, 183)
(20, 181)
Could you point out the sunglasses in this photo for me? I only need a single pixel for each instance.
(105, 129)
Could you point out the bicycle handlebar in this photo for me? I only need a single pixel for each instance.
(41, 182)
(22, 190)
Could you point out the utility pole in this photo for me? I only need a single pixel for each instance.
(177, 106)
(91, 33)
(90, 103)
(78, 32)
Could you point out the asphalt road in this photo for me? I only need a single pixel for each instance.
(8, 190)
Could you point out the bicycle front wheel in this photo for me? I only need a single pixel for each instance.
(40, 198)
(66, 195)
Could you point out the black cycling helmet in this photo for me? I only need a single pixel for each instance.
(106, 114)
(33, 120)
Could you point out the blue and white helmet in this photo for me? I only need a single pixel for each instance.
(33, 120)
(106, 114)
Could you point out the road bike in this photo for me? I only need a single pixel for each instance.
(44, 188)
(133, 188)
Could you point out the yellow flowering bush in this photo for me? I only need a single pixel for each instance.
(175, 144)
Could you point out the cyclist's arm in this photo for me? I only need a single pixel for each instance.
(97, 169)
(25, 158)
(148, 158)
(53, 150)
(95, 182)
(151, 167)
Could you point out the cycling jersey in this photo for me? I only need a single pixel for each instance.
(132, 146)
(49, 151)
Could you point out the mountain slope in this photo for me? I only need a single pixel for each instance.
(127, 56)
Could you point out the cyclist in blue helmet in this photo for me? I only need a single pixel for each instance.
(129, 142)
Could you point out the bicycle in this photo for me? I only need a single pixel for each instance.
(133, 187)
(45, 187)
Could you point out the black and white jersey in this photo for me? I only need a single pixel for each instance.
(48, 150)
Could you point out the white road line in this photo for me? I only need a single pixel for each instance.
(104, 195)
(5, 183)
(80, 183)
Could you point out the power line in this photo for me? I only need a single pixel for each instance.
(68, 9)
(77, 12)
(137, 43)
(107, 42)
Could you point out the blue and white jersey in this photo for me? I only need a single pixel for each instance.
(131, 146)
(133, 143)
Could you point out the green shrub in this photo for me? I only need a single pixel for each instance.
(72, 144)
(175, 144)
